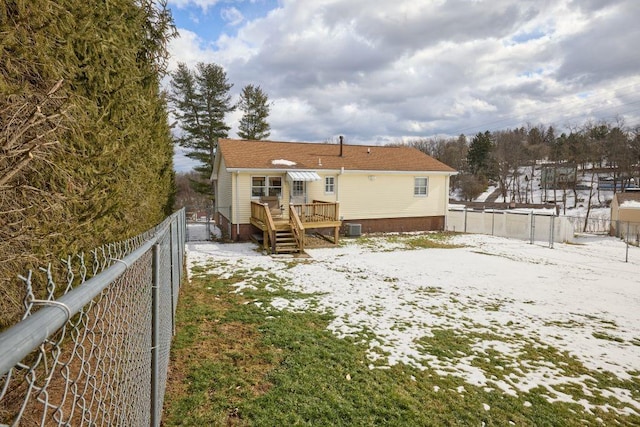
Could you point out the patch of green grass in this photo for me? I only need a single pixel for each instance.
(236, 363)
(609, 324)
(606, 336)
(494, 306)
(446, 344)
(569, 324)
(292, 263)
(431, 241)
(430, 290)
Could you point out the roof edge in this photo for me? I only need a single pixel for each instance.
(345, 171)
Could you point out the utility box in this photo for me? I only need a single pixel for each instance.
(354, 230)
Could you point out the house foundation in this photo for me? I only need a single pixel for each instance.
(243, 232)
(397, 225)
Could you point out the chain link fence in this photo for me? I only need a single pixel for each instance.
(590, 225)
(95, 349)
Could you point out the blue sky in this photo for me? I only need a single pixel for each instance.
(212, 19)
(379, 71)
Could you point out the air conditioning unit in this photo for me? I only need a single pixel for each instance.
(354, 230)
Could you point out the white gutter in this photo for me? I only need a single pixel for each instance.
(446, 202)
(343, 171)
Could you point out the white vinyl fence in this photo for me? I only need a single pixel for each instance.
(531, 226)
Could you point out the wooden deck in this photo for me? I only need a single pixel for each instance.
(280, 233)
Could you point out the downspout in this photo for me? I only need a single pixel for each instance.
(446, 201)
(338, 185)
(215, 202)
(235, 211)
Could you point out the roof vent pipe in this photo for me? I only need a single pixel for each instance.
(341, 138)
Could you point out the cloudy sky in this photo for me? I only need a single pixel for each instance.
(379, 71)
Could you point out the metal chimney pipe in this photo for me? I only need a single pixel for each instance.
(340, 145)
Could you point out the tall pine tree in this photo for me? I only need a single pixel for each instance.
(254, 104)
(201, 100)
(479, 155)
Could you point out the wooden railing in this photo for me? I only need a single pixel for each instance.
(258, 211)
(261, 212)
(296, 227)
(317, 211)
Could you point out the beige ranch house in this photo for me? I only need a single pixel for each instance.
(279, 191)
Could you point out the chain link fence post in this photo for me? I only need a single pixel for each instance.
(532, 227)
(493, 221)
(155, 336)
(465, 220)
(626, 256)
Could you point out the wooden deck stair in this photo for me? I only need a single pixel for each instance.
(287, 235)
(286, 242)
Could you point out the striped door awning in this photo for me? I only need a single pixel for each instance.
(303, 176)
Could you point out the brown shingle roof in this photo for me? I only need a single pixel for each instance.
(244, 154)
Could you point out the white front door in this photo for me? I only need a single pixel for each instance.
(298, 192)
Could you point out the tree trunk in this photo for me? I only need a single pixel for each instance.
(586, 218)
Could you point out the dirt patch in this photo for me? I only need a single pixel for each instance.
(314, 241)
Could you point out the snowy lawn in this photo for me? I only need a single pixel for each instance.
(499, 316)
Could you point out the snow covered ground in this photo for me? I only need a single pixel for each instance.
(506, 295)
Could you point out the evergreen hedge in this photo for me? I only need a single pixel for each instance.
(85, 146)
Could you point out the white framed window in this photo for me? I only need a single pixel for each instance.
(274, 187)
(420, 186)
(329, 184)
(258, 186)
(266, 186)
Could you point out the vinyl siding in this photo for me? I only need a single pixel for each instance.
(629, 214)
(224, 192)
(386, 196)
(315, 190)
(625, 214)
(389, 196)
(243, 198)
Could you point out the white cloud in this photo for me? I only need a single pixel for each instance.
(190, 49)
(232, 15)
(377, 70)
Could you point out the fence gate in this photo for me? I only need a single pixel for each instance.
(200, 224)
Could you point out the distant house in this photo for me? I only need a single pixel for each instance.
(557, 176)
(625, 214)
(607, 183)
(294, 187)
